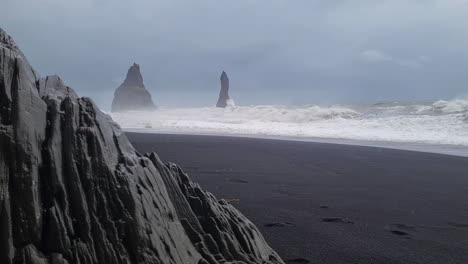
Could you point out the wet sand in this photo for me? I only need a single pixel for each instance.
(331, 203)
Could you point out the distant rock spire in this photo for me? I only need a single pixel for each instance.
(132, 94)
(134, 77)
(224, 92)
(74, 190)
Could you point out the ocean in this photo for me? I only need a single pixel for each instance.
(439, 123)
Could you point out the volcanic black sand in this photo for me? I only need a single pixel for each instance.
(329, 203)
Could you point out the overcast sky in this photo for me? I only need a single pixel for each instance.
(274, 51)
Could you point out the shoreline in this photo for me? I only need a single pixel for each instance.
(443, 149)
(330, 203)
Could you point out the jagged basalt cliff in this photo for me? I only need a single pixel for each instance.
(224, 92)
(74, 190)
(132, 93)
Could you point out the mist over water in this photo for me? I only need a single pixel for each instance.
(440, 122)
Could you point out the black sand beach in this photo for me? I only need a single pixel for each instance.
(329, 203)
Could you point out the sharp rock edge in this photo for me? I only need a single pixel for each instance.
(132, 93)
(74, 190)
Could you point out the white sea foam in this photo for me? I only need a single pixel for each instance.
(230, 103)
(441, 122)
(453, 106)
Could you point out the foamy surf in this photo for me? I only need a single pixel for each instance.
(441, 122)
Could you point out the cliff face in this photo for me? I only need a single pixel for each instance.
(132, 94)
(224, 92)
(74, 190)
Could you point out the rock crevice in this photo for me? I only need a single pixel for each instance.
(74, 190)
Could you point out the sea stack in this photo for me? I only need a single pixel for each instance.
(74, 190)
(132, 93)
(224, 92)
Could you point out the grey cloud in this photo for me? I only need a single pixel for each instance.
(376, 56)
(275, 51)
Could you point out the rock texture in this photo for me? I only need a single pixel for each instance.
(224, 92)
(132, 94)
(74, 190)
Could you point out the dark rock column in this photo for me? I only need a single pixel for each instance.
(132, 93)
(224, 92)
(74, 190)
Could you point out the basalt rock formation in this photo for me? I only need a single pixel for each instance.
(224, 92)
(132, 94)
(74, 190)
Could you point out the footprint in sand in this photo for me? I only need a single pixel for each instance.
(298, 260)
(400, 230)
(285, 224)
(238, 181)
(337, 220)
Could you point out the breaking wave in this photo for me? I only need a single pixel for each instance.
(230, 103)
(441, 122)
(272, 113)
(453, 106)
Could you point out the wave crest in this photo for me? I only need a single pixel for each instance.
(288, 114)
(436, 123)
(452, 106)
(230, 103)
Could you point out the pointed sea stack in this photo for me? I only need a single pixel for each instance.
(74, 190)
(224, 93)
(132, 94)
